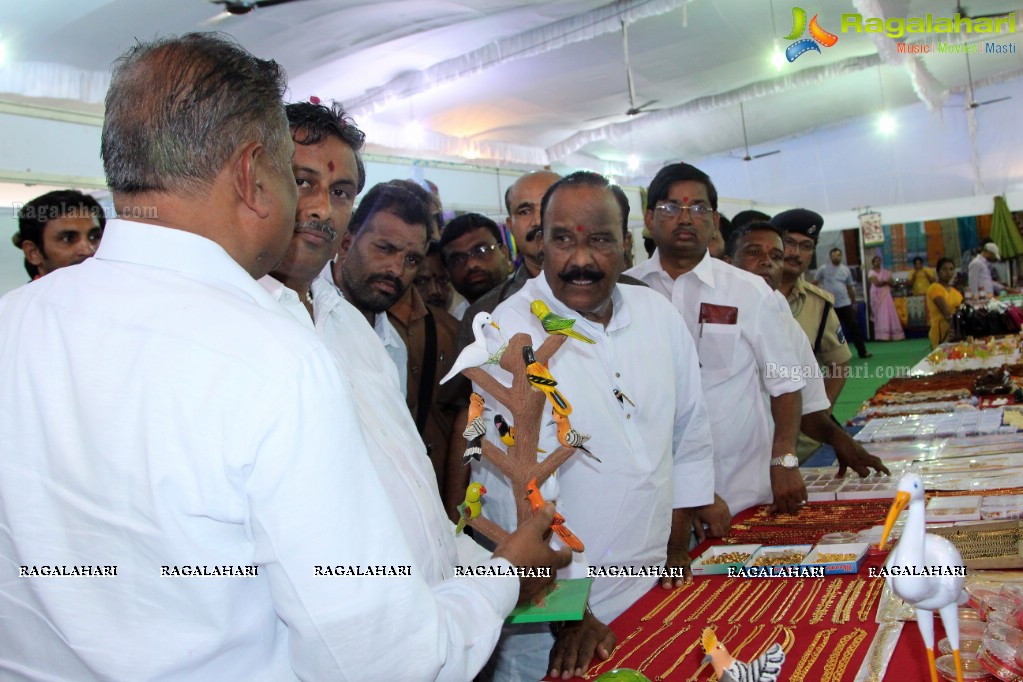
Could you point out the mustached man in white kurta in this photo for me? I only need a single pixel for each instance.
(160, 408)
(654, 443)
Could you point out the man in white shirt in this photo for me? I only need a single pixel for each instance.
(734, 320)
(165, 417)
(328, 177)
(636, 392)
(836, 278)
(979, 271)
(758, 247)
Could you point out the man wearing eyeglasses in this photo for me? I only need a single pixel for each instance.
(734, 320)
(476, 259)
(812, 307)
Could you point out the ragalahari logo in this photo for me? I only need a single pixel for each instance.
(817, 35)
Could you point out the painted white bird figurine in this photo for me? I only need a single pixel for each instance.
(926, 593)
(764, 668)
(476, 353)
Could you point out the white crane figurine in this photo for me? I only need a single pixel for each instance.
(942, 590)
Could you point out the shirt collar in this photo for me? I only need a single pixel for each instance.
(410, 307)
(652, 267)
(176, 250)
(798, 292)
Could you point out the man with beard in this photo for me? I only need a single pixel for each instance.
(58, 229)
(732, 317)
(329, 174)
(476, 259)
(379, 257)
(636, 391)
(757, 247)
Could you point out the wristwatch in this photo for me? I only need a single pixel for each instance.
(788, 461)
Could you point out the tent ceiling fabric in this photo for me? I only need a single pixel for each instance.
(530, 83)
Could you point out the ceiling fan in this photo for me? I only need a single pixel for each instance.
(633, 110)
(236, 7)
(745, 140)
(972, 102)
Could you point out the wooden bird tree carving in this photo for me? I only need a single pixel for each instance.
(528, 407)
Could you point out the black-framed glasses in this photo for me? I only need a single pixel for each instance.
(478, 253)
(672, 210)
(806, 247)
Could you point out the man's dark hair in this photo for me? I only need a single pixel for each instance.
(919, 260)
(311, 122)
(725, 227)
(749, 216)
(588, 179)
(833, 250)
(466, 223)
(678, 172)
(743, 230)
(942, 261)
(421, 192)
(392, 198)
(61, 203)
(179, 107)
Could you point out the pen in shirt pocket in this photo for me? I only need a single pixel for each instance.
(622, 398)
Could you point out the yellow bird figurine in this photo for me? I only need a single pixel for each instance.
(568, 436)
(941, 590)
(764, 668)
(556, 324)
(471, 507)
(539, 377)
(507, 432)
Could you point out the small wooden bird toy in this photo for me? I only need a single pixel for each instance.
(539, 377)
(471, 507)
(568, 436)
(536, 502)
(556, 324)
(476, 353)
(507, 432)
(764, 668)
(927, 593)
(475, 429)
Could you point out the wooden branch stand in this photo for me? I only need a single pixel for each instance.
(528, 407)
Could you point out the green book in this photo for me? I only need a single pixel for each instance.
(567, 601)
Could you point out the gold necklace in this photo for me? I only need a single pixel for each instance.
(657, 652)
(664, 602)
(770, 640)
(729, 602)
(820, 640)
(805, 607)
(770, 600)
(753, 597)
(838, 661)
(687, 601)
(678, 660)
(847, 612)
(695, 614)
(790, 639)
(877, 661)
(829, 597)
(756, 631)
(643, 643)
(594, 672)
(787, 603)
(868, 599)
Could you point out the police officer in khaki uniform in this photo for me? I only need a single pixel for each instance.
(812, 307)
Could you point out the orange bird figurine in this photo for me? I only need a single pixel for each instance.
(539, 377)
(569, 437)
(537, 502)
(475, 428)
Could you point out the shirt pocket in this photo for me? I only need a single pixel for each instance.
(717, 346)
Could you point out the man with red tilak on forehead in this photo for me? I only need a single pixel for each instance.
(735, 321)
(636, 391)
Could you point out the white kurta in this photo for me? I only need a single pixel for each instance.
(398, 452)
(657, 454)
(734, 359)
(161, 409)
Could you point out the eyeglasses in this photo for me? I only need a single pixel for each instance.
(805, 247)
(673, 210)
(479, 253)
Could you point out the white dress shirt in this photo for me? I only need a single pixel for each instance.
(398, 451)
(657, 454)
(979, 277)
(734, 363)
(815, 397)
(161, 409)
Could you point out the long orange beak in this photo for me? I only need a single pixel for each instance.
(901, 500)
